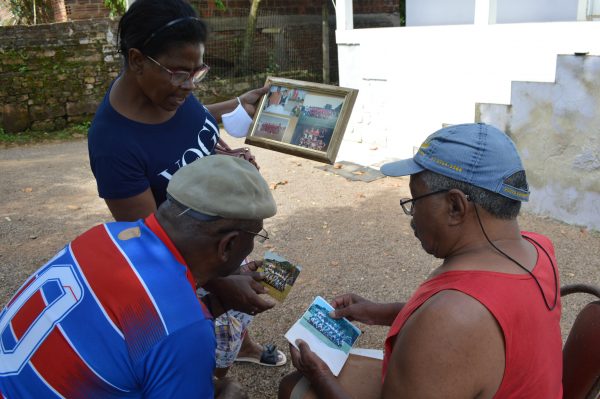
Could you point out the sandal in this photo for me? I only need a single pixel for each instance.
(270, 357)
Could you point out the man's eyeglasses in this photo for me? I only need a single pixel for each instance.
(178, 78)
(261, 236)
(407, 204)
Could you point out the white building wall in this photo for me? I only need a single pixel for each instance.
(455, 12)
(437, 12)
(413, 80)
(514, 11)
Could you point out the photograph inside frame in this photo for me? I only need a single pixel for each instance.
(299, 117)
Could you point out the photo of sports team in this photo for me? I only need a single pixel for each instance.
(296, 117)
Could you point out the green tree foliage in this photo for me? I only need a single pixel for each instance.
(29, 12)
(116, 7)
(220, 5)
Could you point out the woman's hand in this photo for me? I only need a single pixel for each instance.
(224, 149)
(251, 98)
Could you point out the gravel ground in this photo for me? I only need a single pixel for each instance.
(348, 236)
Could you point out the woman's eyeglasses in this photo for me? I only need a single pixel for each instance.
(178, 78)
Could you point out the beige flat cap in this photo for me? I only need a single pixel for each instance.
(222, 186)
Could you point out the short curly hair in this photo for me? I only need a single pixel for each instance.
(498, 205)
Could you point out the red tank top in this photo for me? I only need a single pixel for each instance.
(532, 337)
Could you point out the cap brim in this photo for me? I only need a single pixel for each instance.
(404, 167)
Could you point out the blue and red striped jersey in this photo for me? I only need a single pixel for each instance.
(114, 315)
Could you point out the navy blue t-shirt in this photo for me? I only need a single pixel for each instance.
(127, 157)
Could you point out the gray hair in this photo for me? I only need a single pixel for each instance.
(498, 205)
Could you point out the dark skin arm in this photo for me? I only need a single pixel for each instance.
(132, 208)
(240, 291)
(356, 308)
(451, 345)
(249, 100)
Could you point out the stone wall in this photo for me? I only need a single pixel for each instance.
(55, 74)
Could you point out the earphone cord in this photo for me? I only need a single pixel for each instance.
(550, 308)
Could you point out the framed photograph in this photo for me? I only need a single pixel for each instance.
(302, 118)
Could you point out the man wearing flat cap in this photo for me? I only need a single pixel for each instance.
(115, 313)
(485, 324)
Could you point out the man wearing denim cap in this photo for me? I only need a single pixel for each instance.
(485, 324)
(115, 314)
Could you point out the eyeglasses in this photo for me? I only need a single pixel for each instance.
(261, 236)
(178, 78)
(407, 204)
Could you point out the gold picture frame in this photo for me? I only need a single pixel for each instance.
(304, 119)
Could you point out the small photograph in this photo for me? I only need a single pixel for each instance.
(314, 138)
(317, 106)
(284, 101)
(279, 275)
(331, 339)
(271, 127)
(317, 121)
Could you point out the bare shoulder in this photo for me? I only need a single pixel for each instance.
(451, 344)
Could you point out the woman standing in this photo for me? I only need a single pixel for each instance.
(150, 123)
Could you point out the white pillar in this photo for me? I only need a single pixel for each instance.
(344, 15)
(485, 12)
(584, 8)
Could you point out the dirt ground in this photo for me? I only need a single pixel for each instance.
(348, 236)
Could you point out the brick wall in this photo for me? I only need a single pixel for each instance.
(85, 9)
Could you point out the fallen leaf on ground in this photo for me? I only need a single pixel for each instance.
(27, 190)
(280, 183)
(337, 166)
(73, 207)
(335, 263)
(361, 195)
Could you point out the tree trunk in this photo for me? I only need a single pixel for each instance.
(325, 15)
(244, 60)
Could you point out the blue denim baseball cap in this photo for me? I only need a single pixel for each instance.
(474, 153)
